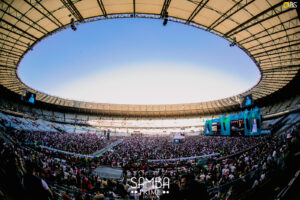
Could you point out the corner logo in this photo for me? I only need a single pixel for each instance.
(150, 189)
(290, 4)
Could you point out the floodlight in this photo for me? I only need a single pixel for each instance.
(73, 27)
(233, 42)
(165, 19)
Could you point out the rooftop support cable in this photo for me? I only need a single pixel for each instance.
(49, 13)
(72, 8)
(199, 7)
(294, 45)
(165, 7)
(252, 19)
(17, 12)
(19, 29)
(278, 28)
(41, 13)
(234, 9)
(102, 8)
(134, 8)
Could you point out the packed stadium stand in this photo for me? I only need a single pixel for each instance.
(55, 148)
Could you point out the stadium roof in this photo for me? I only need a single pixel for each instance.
(267, 30)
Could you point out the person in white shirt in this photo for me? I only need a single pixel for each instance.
(274, 154)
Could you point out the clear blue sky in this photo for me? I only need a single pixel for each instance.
(138, 61)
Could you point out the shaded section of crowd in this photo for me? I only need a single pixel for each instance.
(83, 143)
(31, 170)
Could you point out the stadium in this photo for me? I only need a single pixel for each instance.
(244, 145)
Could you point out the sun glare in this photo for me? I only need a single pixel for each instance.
(154, 83)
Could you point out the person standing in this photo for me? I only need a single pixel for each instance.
(191, 189)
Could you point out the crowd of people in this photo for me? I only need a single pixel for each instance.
(83, 143)
(40, 173)
(136, 151)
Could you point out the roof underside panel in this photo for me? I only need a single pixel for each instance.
(267, 31)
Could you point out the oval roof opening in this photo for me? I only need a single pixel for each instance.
(138, 61)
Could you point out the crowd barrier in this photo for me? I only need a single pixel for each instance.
(237, 153)
(185, 158)
(82, 155)
(66, 152)
(102, 151)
